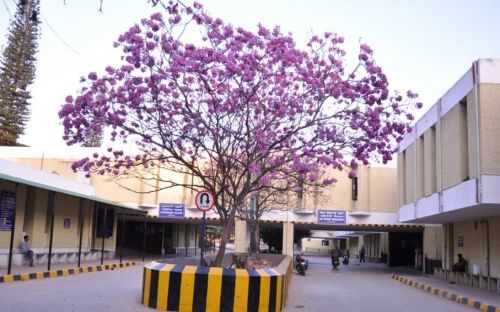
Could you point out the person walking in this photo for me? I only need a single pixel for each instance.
(362, 254)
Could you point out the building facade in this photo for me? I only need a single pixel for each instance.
(449, 172)
(365, 204)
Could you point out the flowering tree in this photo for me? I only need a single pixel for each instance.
(236, 109)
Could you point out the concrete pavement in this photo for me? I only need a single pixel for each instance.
(367, 287)
(118, 290)
(353, 288)
(480, 299)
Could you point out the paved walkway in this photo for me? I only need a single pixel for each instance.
(485, 297)
(118, 290)
(57, 266)
(366, 287)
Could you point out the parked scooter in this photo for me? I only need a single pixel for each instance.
(301, 265)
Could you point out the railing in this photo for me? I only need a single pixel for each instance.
(473, 280)
(317, 251)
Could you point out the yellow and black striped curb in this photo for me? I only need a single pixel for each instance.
(62, 272)
(180, 287)
(478, 305)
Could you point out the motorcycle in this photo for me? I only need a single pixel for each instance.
(335, 263)
(301, 265)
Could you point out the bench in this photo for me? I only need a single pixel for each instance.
(490, 283)
(191, 251)
(59, 255)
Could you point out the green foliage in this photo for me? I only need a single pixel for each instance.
(93, 140)
(17, 71)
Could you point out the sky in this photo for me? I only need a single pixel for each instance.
(422, 45)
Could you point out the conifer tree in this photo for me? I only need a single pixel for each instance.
(17, 70)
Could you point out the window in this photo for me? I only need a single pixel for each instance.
(325, 242)
(354, 188)
(464, 140)
(104, 228)
(433, 159)
(402, 184)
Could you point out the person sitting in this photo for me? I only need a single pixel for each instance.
(25, 248)
(460, 265)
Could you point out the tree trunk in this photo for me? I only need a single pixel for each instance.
(226, 231)
(253, 242)
(256, 232)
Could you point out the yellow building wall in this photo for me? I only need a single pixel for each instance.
(353, 243)
(490, 128)
(61, 167)
(471, 249)
(410, 172)
(20, 203)
(420, 170)
(429, 161)
(41, 225)
(111, 190)
(433, 242)
(372, 195)
(382, 190)
(401, 185)
(439, 155)
(471, 134)
(494, 236)
(66, 207)
(337, 196)
(363, 202)
(314, 245)
(455, 163)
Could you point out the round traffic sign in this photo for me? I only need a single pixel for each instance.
(205, 200)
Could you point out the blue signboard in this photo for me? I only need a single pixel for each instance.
(171, 210)
(7, 206)
(331, 217)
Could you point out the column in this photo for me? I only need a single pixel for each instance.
(240, 236)
(288, 228)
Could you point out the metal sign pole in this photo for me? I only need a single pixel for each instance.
(204, 201)
(51, 204)
(81, 216)
(13, 228)
(202, 239)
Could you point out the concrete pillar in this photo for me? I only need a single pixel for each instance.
(384, 242)
(240, 236)
(448, 246)
(361, 241)
(288, 228)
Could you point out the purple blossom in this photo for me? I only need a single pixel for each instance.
(235, 102)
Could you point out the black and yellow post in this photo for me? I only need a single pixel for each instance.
(191, 288)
